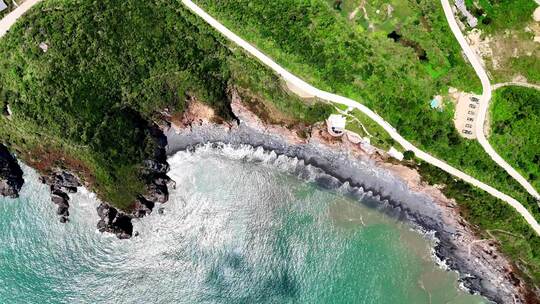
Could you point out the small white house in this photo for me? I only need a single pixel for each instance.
(3, 5)
(395, 154)
(336, 124)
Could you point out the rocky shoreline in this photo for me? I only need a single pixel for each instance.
(62, 182)
(11, 179)
(397, 188)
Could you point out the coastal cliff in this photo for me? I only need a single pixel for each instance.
(11, 179)
(399, 188)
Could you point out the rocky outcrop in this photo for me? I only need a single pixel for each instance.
(11, 179)
(114, 221)
(60, 182)
(398, 191)
(157, 183)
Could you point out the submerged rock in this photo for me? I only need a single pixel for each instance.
(11, 179)
(61, 182)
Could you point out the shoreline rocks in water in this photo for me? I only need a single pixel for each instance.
(400, 190)
(157, 183)
(114, 221)
(11, 175)
(60, 182)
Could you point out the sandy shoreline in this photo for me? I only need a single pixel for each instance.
(397, 190)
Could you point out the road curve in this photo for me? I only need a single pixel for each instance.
(12, 17)
(286, 75)
(484, 101)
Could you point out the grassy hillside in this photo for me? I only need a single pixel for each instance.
(515, 129)
(86, 103)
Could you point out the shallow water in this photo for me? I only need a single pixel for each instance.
(240, 228)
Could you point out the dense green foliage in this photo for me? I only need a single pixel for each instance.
(494, 219)
(496, 15)
(515, 129)
(315, 41)
(514, 51)
(109, 67)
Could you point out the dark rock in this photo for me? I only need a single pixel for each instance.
(59, 183)
(60, 198)
(62, 210)
(71, 189)
(61, 179)
(114, 221)
(157, 193)
(161, 179)
(11, 174)
(152, 166)
(142, 207)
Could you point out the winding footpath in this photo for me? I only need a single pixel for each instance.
(12, 17)
(299, 83)
(484, 101)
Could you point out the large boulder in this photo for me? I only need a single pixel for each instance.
(60, 182)
(114, 221)
(11, 179)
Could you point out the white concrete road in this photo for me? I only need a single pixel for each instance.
(351, 103)
(484, 101)
(12, 17)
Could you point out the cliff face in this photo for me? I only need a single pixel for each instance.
(11, 179)
(401, 190)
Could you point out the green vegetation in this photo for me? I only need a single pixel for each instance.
(514, 50)
(315, 41)
(515, 129)
(497, 15)
(359, 123)
(494, 219)
(320, 44)
(87, 102)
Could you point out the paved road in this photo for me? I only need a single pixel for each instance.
(351, 103)
(10, 18)
(484, 101)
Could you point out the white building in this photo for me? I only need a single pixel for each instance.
(336, 124)
(395, 153)
(3, 6)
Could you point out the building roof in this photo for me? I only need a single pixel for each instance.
(395, 153)
(337, 121)
(3, 6)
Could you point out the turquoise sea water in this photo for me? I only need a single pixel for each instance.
(240, 228)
